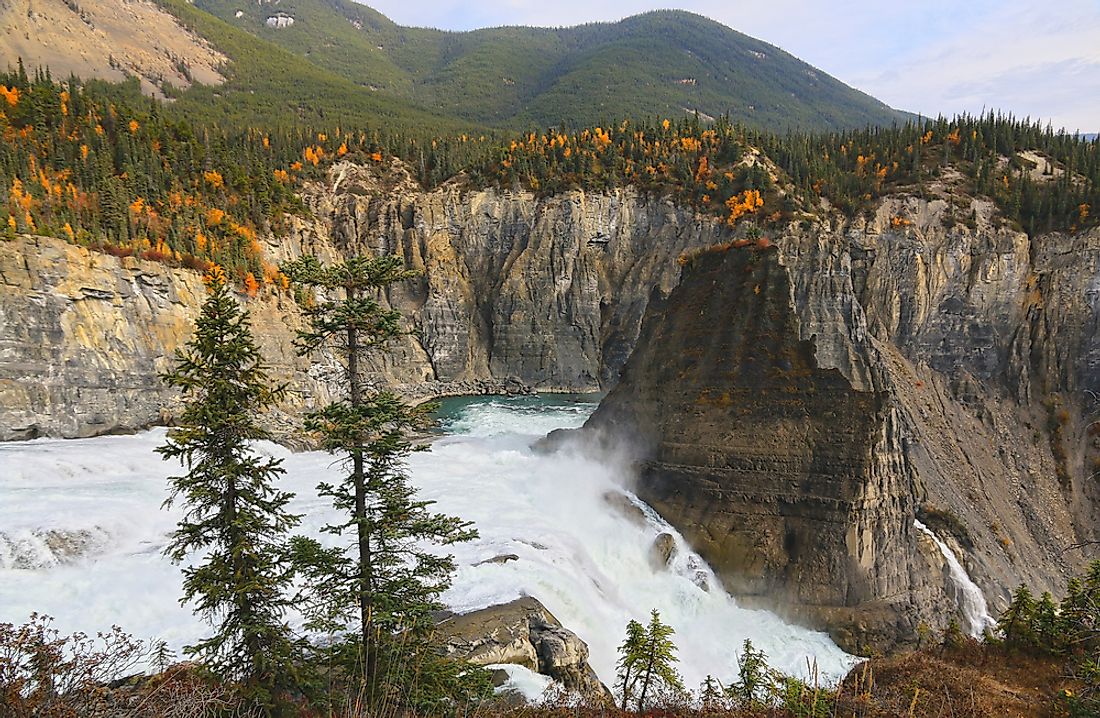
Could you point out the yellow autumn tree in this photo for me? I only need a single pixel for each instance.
(10, 96)
(748, 202)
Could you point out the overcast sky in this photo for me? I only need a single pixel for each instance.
(1031, 58)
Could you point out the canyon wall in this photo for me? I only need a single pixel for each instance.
(858, 377)
(800, 410)
(84, 337)
(516, 290)
(546, 290)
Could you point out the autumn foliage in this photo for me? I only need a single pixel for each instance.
(101, 166)
(95, 166)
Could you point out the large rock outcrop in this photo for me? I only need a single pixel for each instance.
(823, 395)
(767, 462)
(515, 291)
(84, 337)
(957, 361)
(547, 290)
(522, 632)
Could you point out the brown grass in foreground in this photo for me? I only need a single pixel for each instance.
(43, 675)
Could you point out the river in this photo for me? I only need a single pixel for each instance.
(82, 531)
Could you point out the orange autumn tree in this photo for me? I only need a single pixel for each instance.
(748, 202)
(251, 286)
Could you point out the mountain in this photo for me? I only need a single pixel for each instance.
(107, 40)
(325, 62)
(659, 63)
(268, 85)
(211, 70)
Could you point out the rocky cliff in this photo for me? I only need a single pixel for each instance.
(547, 290)
(84, 336)
(522, 632)
(515, 290)
(863, 374)
(827, 393)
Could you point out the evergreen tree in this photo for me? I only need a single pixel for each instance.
(235, 519)
(631, 659)
(710, 695)
(953, 636)
(1045, 625)
(386, 578)
(1079, 612)
(1015, 624)
(162, 656)
(754, 678)
(647, 662)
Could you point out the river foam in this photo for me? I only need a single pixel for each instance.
(586, 561)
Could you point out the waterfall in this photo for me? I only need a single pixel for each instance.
(548, 530)
(968, 596)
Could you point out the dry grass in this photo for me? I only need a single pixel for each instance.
(46, 675)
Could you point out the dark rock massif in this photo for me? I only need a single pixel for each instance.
(799, 407)
(766, 461)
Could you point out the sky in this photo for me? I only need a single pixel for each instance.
(1037, 59)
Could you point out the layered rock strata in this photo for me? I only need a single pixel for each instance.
(798, 408)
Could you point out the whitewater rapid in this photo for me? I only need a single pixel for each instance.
(586, 561)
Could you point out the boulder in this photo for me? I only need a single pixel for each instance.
(662, 551)
(525, 633)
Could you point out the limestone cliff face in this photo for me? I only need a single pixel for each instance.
(857, 378)
(549, 291)
(987, 342)
(884, 371)
(515, 290)
(768, 463)
(83, 337)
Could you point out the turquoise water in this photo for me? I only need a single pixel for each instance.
(531, 414)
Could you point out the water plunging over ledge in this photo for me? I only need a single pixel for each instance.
(586, 561)
(968, 596)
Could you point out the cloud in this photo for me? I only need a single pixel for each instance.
(932, 57)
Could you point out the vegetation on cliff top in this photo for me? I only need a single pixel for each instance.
(100, 165)
(1039, 179)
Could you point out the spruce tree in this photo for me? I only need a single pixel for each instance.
(754, 678)
(631, 659)
(646, 663)
(235, 520)
(1018, 620)
(386, 577)
(711, 695)
(1045, 625)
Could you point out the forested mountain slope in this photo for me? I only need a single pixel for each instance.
(664, 62)
(339, 62)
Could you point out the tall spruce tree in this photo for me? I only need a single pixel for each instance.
(647, 661)
(631, 659)
(386, 578)
(754, 678)
(235, 518)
